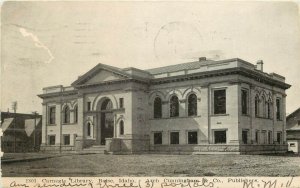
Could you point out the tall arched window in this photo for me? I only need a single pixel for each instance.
(192, 105)
(157, 108)
(269, 109)
(66, 115)
(263, 106)
(174, 106)
(256, 105)
(121, 127)
(89, 129)
(76, 114)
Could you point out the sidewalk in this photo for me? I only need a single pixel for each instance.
(21, 157)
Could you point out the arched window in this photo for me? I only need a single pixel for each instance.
(256, 105)
(76, 114)
(66, 115)
(174, 106)
(269, 109)
(89, 129)
(263, 106)
(157, 108)
(121, 127)
(106, 105)
(192, 105)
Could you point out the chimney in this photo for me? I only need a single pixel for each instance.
(202, 58)
(260, 65)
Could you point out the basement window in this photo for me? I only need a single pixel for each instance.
(67, 139)
(157, 138)
(174, 137)
(192, 137)
(245, 136)
(51, 139)
(220, 137)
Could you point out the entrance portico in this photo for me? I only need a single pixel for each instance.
(105, 120)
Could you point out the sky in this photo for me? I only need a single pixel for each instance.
(52, 43)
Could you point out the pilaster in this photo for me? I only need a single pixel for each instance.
(44, 124)
(80, 103)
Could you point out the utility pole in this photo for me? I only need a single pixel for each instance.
(34, 136)
(14, 107)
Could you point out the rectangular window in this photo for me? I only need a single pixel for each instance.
(67, 139)
(220, 137)
(88, 106)
(244, 102)
(193, 137)
(278, 109)
(157, 138)
(52, 115)
(264, 137)
(51, 139)
(174, 137)
(270, 137)
(220, 101)
(292, 145)
(279, 137)
(298, 122)
(121, 101)
(257, 137)
(245, 136)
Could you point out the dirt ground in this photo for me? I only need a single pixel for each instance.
(156, 165)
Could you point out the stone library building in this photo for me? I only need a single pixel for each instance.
(201, 107)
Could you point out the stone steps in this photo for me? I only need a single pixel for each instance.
(95, 149)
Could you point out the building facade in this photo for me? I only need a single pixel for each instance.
(21, 132)
(293, 131)
(228, 106)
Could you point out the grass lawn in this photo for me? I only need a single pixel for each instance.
(156, 165)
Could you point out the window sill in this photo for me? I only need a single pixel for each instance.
(69, 124)
(263, 118)
(51, 124)
(247, 115)
(214, 115)
(90, 138)
(174, 117)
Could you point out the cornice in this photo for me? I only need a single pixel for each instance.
(58, 94)
(260, 77)
(111, 83)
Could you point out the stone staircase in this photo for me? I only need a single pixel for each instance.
(95, 149)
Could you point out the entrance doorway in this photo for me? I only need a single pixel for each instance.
(107, 120)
